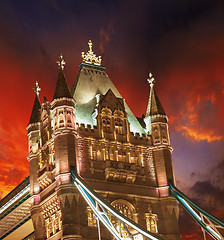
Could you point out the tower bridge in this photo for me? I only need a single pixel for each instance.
(96, 170)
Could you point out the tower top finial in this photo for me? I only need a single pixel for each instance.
(61, 62)
(151, 80)
(36, 89)
(90, 46)
(90, 56)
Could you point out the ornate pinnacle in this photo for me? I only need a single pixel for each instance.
(61, 62)
(36, 89)
(90, 56)
(90, 46)
(151, 80)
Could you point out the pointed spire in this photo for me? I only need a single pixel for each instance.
(154, 106)
(35, 115)
(62, 89)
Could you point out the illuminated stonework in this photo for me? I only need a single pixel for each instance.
(127, 209)
(92, 221)
(151, 221)
(52, 216)
(90, 57)
(61, 62)
(125, 159)
(151, 80)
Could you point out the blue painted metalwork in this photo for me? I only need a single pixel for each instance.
(198, 214)
(104, 211)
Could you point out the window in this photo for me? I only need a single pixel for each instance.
(126, 209)
(119, 125)
(61, 120)
(151, 221)
(121, 155)
(69, 120)
(92, 221)
(47, 224)
(106, 122)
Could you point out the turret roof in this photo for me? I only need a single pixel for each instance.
(35, 115)
(62, 89)
(154, 105)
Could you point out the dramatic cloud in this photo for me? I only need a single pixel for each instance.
(181, 42)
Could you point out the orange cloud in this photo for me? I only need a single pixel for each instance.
(198, 117)
(196, 135)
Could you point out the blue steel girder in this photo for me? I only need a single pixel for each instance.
(207, 221)
(104, 211)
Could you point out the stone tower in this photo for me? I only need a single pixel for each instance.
(127, 160)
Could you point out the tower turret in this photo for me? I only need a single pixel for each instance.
(63, 111)
(155, 111)
(65, 144)
(156, 124)
(161, 152)
(129, 170)
(34, 140)
(33, 129)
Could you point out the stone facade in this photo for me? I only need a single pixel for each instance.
(94, 135)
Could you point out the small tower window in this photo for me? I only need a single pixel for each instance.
(48, 230)
(118, 126)
(69, 120)
(61, 121)
(121, 155)
(151, 221)
(106, 122)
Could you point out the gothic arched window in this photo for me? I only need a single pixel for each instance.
(69, 120)
(61, 120)
(106, 123)
(118, 122)
(151, 221)
(126, 209)
(106, 119)
(121, 155)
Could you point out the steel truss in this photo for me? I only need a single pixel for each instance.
(207, 221)
(105, 213)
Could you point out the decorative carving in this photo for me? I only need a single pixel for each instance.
(151, 80)
(52, 216)
(151, 221)
(120, 171)
(92, 221)
(61, 62)
(90, 56)
(37, 89)
(64, 117)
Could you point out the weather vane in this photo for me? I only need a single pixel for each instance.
(61, 62)
(36, 89)
(90, 56)
(151, 80)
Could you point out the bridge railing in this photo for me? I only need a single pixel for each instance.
(207, 221)
(104, 213)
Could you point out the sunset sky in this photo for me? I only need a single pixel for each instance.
(180, 42)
